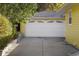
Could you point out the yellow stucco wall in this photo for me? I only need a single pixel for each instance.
(72, 30)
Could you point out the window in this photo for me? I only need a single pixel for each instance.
(70, 17)
(70, 20)
(59, 21)
(50, 21)
(40, 22)
(31, 21)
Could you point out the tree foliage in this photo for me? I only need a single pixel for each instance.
(42, 6)
(17, 12)
(49, 6)
(54, 6)
(12, 14)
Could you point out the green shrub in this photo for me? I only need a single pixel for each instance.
(5, 27)
(4, 41)
(5, 31)
(16, 13)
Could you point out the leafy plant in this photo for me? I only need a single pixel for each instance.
(13, 13)
(4, 41)
(5, 31)
(54, 6)
(49, 6)
(18, 12)
(5, 27)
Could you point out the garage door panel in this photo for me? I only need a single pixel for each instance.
(44, 29)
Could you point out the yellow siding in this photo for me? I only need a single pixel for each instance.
(72, 31)
(22, 27)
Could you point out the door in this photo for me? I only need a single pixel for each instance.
(50, 28)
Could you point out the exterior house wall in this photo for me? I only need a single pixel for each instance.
(22, 27)
(72, 30)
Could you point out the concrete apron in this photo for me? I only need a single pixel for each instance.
(43, 46)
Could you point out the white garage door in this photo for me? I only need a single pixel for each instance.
(45, 29)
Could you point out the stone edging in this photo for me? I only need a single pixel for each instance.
(10, 47)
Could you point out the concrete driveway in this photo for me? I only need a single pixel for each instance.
(43, 47)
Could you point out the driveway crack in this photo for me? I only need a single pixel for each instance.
(43, 47)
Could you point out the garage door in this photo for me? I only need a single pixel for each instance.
(45, 28)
